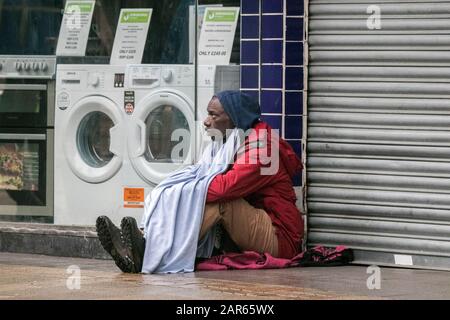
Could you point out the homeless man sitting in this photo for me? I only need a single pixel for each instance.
(233, 188)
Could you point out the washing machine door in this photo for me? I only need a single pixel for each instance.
(161, 135)
(93, 139)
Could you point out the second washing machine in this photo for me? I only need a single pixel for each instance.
(166, 130)
(161, 127)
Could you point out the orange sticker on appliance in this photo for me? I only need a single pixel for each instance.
(133, 197)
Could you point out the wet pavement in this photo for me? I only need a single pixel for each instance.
(27, 276)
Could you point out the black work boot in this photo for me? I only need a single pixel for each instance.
(111, 239)
(134, 241)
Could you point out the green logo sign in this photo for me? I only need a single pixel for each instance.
(135, 17)
(221, 16)
(82, 7)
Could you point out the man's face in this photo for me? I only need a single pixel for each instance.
(217, 118)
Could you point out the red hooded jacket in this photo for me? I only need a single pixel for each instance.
(272, 192)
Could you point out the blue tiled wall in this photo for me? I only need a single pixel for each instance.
(272, 6)
(272, 101)
(250, 6)
(272, 51)
(251, 78)
(272, 59)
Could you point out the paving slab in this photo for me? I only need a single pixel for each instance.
(30, 276)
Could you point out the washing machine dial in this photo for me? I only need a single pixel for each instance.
(94, 80)
(167, 75)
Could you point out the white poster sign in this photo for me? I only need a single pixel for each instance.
(217, 35)
(131, 36)
(75, 26)
(200, 13)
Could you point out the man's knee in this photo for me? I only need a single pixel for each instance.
(211, 216)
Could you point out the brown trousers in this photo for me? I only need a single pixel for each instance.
(250, 228)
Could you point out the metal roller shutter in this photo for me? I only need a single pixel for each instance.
(378, 151)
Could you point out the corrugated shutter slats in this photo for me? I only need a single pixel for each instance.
(378, 151)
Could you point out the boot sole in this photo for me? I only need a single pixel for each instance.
(127, 226)
(103, 231)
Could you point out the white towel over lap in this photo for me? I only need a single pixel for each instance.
(174, 212)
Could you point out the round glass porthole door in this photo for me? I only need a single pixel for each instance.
(162, 135)
(93, 139)
(168, 135)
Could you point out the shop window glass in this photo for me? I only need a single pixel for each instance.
(29, 27)
(167, 38)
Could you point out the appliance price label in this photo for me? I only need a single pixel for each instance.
(75, 26)
(217, 35)
(131, 36)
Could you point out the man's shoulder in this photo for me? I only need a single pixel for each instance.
(257, 138)
(260, 130)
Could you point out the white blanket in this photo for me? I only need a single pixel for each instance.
(174, 212)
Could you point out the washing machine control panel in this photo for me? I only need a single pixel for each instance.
(85, 79)
(153, 76)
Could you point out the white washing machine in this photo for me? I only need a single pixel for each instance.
(119, 132)
(212, 79)
(165, 101)
(91, 172)
(161, 126)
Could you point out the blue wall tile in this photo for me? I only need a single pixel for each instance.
(294, 29)
(271, 76)
(297, 146)
(271, 101)
(272, 51)
(294, 78)
(272, 6)
(293, 127)
(272, 26)
(294, 7)
(250, 27)
(254, 94)
(293, 102)
(294, 53)
(273, 121)
(249, 6)
(249, 77)
(297, 180)
(249, 51)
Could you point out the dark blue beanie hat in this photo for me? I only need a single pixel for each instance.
(243, 109)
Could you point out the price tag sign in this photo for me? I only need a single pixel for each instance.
(131, 36)
(74, 32)
(200, 13)
(217, 35)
